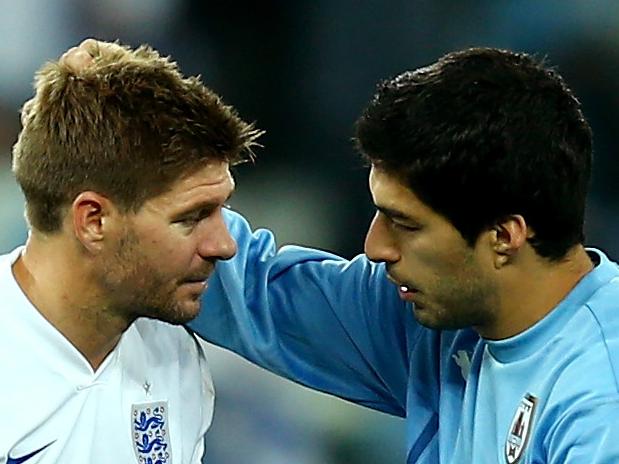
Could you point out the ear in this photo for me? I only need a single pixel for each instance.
(508, 237)
(92, 215)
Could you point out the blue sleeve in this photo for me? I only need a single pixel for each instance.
(334, 325)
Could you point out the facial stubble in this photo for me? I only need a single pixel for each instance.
(138, 288)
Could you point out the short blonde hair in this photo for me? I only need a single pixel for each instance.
(126, 126)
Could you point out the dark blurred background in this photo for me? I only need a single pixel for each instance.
(303, 71)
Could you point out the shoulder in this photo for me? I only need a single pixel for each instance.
(601, 340)
(166, 342)
(172, 351)
(584, 353)
(6, 262)
(16, 312)
(588, 342)
(584, 397)
(8, 258)
(586, 432)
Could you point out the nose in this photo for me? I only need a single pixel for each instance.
(216, 242)
(379, 243)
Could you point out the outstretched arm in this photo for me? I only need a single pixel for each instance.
(331, 324)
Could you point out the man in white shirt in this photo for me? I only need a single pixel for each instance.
(124, 164)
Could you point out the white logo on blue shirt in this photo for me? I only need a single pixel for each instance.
(463, 361)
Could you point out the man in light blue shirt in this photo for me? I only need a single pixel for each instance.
(476, 312)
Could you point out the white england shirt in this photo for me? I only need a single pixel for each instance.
(150, 402)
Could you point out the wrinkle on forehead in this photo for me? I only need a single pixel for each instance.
(215, 172)
(212, 183)
(212, 174)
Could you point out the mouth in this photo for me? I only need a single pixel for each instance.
(197, 279)
(407, 292)
(197, 283)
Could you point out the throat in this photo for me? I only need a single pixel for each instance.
(93, 334)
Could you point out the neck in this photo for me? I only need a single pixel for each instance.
(528, 292)
(58, 283)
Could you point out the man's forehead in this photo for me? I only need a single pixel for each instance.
(383, 183)
(211, 174)
(391, 195)
(212, 183)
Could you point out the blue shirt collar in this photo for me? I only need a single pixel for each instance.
(535, 337)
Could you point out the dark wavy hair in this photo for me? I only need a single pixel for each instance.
(482, 134)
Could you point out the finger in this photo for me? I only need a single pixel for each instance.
(77, 59)
(97, 47)
(92, 46)
(25, 111)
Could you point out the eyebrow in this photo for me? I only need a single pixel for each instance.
(395, 214)
(205, 205)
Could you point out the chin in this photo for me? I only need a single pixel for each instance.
(184, 311)
(428, 322)
(180, 308)
(177, 313)
(431, 319)
(190, 310)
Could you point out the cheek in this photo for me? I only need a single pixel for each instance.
(158, 261)
(422, 256)
(432, 263)
(464, 282)
(171, 246)
(175, 260)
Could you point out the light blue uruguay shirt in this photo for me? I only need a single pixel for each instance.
(548, 395)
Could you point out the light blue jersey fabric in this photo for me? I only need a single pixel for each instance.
(548, 395)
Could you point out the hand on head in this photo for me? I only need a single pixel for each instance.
(76, 59)
(80, 57)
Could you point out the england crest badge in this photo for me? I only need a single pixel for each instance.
(151, 436)
(520, 429)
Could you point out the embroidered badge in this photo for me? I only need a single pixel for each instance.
(520, 429)
(151, 437)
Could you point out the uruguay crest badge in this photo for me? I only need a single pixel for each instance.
(151, 436)
(520, 429)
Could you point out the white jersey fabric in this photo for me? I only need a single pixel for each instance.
(150, 402)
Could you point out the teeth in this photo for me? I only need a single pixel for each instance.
(404, 288)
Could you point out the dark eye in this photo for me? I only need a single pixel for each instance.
(188, 221)
(193, 218)
(404, 227)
